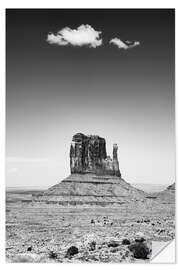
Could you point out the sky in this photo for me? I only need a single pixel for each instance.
(104, 72)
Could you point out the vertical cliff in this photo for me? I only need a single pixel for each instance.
(115, 160)
(88, 155)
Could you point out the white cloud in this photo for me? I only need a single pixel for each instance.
(84, 35)
(124, 45)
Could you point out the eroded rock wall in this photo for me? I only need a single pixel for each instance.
(88, 155)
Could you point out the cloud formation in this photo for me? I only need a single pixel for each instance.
(84, 35)
(124, 45)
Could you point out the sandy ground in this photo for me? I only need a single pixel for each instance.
(39, 232)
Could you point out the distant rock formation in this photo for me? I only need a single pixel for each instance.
(171, 187)
(166, 196)
(95, 178)
(88, 155)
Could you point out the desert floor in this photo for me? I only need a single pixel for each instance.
(40, 232)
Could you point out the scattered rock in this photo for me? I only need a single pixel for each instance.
(113, 250)
(147, 220)
(113, 243)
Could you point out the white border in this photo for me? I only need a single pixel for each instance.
(76, 4)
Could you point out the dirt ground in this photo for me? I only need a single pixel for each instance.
(40, 232)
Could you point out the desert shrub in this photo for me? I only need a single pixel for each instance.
(92, 245)
(29, 248)
(140, 250)
(71, 251)
(52, 255)
(126, 242)
(114, 250)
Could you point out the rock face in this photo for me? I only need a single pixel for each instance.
(88, 155)
(95, 178)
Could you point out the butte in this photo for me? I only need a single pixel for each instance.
(95, 177)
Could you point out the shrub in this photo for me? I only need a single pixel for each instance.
(140, 250)
(92, 245)
(29, 248)
(126, 242)
(53, 255)
(71, 252)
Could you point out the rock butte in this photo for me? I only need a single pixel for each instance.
(95, 178)
(167, 196)
(88, 155)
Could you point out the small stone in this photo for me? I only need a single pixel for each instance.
(113, 243)
(29, 248)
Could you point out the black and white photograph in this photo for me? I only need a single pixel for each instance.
(90, 135)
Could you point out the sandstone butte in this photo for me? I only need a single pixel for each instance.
(167, 196)
(95, 177)
(88, 155)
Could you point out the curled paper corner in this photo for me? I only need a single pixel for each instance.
(163, 252)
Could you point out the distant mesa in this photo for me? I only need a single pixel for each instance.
(88, 155)
(171, 187)
(166, 196)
